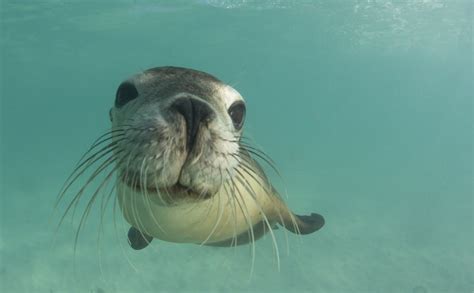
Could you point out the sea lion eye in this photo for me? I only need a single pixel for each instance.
(237, 114)
(125, 93)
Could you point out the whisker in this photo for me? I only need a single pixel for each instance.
(103, 206)
(234, 214)
(123, 230)
(132, 202)
(90, 203)
(104, 165)
(249, 170)
(78, 195)
(81, 168)
(248, 220)
(105, 137)
(265, 157)
(249, 189)
(148, 202)
(219, 218)
(257, 150)
(272, 165)
(143, 192)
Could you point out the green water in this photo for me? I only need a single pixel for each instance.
(365, 106)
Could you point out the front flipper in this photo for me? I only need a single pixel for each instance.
(138, 240)
(303, 224)
(309, 224)
(298, 225)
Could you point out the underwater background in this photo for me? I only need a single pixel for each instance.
(366, 107)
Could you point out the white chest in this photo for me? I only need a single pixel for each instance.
(230, 212)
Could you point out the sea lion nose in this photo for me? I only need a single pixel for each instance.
(194, 112)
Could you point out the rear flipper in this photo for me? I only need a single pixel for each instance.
(137, 239)
(303, 224)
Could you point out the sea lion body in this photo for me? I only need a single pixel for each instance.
(184, 174)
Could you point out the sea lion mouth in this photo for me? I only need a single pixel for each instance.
(172, 192)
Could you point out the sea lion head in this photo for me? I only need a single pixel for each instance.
(176, 132)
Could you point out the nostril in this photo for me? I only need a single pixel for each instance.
(184, 107)
(194, 112)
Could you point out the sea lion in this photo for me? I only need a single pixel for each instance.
(184, 172)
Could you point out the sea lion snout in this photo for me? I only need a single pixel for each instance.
(194, 111)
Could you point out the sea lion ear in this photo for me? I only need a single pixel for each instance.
(110, 115)
(137, 239)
